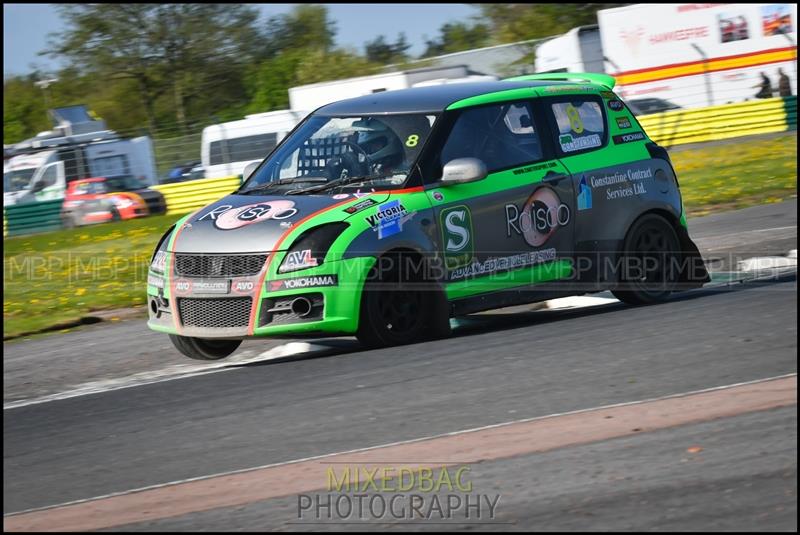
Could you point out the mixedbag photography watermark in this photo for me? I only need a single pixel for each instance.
(357, 493)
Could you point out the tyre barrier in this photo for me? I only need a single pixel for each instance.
(678, 127)
(668, 128)
(184, 197)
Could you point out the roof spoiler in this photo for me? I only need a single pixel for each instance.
(591, 77)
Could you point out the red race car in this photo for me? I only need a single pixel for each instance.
(102, 199)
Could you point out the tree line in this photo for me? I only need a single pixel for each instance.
(166, 69)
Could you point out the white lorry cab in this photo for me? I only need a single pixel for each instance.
(227, 148)
(39, 169)
(578, 50)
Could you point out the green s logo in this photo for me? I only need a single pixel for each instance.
(457, 236)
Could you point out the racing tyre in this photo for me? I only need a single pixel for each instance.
(115, 215)
(396, 313)
(203, 348)
(650, 262)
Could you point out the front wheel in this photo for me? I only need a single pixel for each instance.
(204, 348)
(650, 262)
(395, 313)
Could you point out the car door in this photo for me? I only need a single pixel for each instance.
(606, 181)
(498, 232)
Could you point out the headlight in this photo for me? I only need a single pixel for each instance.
(310, 248)
(159, 260)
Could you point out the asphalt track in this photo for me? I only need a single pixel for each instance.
(736, 472)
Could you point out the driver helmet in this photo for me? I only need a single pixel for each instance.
(379, 142)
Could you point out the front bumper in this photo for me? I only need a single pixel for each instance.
(206, 309)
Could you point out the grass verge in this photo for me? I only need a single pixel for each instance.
(58, 278)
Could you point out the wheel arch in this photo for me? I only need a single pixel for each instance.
(693, 272)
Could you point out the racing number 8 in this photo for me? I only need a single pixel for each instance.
(412, 140)
(575, 122)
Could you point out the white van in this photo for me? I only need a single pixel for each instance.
(43, 175)
(228, 148)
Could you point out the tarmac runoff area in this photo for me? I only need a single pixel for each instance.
(454, 449)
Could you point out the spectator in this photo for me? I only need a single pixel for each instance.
(766, 87)
(784, 85)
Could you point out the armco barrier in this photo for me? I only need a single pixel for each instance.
(679, 127)
(32, 217)
(186, 196)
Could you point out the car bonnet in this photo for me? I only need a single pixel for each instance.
(251, 224)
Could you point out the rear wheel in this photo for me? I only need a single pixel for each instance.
(68, 221)
(650, 262)
(204, 348)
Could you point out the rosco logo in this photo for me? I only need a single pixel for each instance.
(226, 217)
(542, 214)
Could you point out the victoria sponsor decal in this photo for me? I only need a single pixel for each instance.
(540, 217)
(628, 138)
(315, 281)
(388, 220)
(228, 217)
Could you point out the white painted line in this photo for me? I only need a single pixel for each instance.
(761, 263)
(411, 441)
(298, 348)
(579, 301)
(171, 373)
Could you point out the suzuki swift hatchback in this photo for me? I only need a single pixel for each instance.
(385, 215)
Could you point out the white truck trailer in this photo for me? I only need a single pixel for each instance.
(39, 169)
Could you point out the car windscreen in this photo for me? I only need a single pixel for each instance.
(379, 148)
(123, 183)
(18, 179)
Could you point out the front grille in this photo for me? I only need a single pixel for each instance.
(216, 265)
(215, 313)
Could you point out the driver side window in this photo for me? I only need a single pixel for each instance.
(48, 177)
(502, 136)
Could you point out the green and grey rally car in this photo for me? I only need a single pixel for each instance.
(385, 215)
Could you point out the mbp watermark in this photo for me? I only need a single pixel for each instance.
(380, 494)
